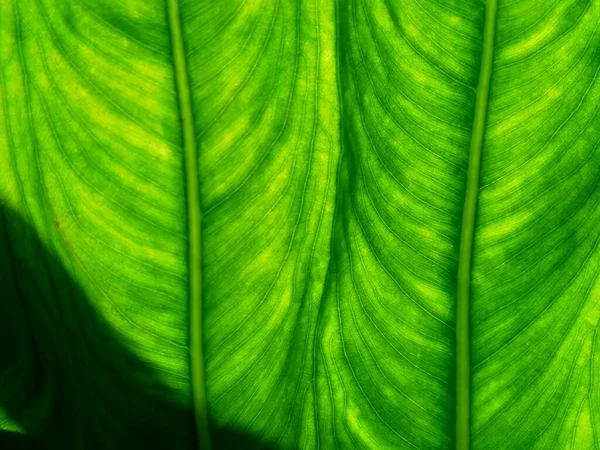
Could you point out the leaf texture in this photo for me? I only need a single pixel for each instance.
(536, 281)
(333, 145)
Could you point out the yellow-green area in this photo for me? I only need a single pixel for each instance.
(333, 149)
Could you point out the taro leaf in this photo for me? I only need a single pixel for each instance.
(399, 210)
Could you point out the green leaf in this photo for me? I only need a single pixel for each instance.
(299, 224)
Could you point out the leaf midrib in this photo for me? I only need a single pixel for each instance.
(463, 298)
(194, 222)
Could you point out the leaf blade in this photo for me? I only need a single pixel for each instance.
(535, 282)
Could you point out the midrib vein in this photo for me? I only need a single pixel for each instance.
(463, 338)
(194, 223)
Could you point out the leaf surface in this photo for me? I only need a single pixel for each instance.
(331, 141)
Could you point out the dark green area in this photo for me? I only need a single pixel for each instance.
(66, 375)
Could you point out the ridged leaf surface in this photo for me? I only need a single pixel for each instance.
(332, 142)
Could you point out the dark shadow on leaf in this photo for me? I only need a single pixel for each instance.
(225, 438)
(66, 378)
(17, 441)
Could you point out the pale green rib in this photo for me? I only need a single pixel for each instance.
(194, 228)
(463, 339)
